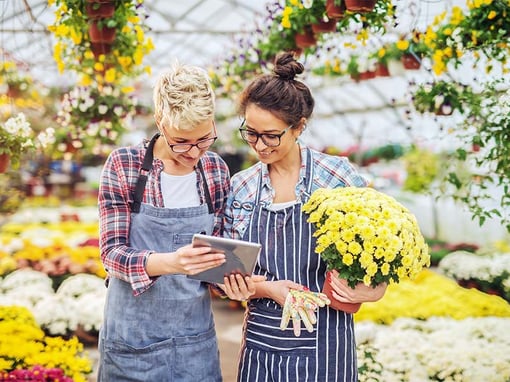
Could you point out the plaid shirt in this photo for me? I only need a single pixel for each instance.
(116, 189)
(328, 172)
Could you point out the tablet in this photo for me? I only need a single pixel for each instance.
(241, 257)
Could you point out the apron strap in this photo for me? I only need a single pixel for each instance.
(208, 198)
(142, 179)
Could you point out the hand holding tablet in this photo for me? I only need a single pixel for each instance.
(240, 257)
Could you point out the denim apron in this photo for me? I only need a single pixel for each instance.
(268, 353)
(167, 333)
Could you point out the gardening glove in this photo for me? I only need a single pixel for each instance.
(301, 306)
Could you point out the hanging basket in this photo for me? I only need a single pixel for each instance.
(4, 162)
(99, 48)
(410, 61)
(381, 70)
(335, 11)
(100, 33)
(360, 6)
(324, 27)
(14, 91)
(305, 39)
(99, 9)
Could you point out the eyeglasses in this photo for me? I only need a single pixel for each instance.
(180, 148)
(270, 140)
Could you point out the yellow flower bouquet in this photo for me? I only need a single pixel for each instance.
(367, 236)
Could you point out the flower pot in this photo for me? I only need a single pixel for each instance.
(99, 48)
(100, 9)
(4, 162)
(381, 70)
(410, 61)
(305, 39)
(335, 11)
(360, 6)
(101, 33)
(324, 27)
(335, 304)
(363, 76)
(14, 91)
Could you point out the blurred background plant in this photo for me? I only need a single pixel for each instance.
(92, 119)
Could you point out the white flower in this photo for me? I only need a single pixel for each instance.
(102, 109)
(18, 125)
(80, 284)
(25, 277)
(307, 4)
(57, 314)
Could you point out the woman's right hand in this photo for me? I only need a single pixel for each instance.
(277, 290)
(191, 260)
(187, 260)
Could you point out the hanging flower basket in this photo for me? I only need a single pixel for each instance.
(305, 39)
(360, 6)
(99, 9)
(14, 91)
(4, 162)
(334, 11)
(381, 70)
(363, 76)
(98, 32)
(324, 27)
(99, 48)
(410, 61)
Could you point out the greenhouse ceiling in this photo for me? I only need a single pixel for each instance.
(204, 32)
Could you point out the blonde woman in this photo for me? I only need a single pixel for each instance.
(158, 323)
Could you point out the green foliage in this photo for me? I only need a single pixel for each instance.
(422, 167)
(486, 150)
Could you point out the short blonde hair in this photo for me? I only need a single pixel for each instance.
(183, 97)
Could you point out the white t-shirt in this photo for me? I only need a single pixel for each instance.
(180, 191)
(281, 206)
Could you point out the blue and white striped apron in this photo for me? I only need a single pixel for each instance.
(268, 353)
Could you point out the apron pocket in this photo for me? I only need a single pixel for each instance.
(194, 358)
(263, 332)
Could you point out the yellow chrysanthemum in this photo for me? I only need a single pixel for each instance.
(370, 230)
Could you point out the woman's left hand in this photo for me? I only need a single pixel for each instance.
(239, 287)
(361, 293)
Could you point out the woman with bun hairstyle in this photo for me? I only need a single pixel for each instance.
(264, 206)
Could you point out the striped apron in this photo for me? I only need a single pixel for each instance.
(268, 353)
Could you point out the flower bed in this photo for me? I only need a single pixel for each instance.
(487, 272)
(436, 349)
(76, 304)
(25, 351)
(430, 329)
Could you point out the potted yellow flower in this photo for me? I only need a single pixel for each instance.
(367, 236)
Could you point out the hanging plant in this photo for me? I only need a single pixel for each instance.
(109, 62)
(93, 118)
(481, 29)
(485, 133)
(444, 97)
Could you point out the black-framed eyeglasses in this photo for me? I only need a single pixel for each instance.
(180, 148)
(252, 137)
